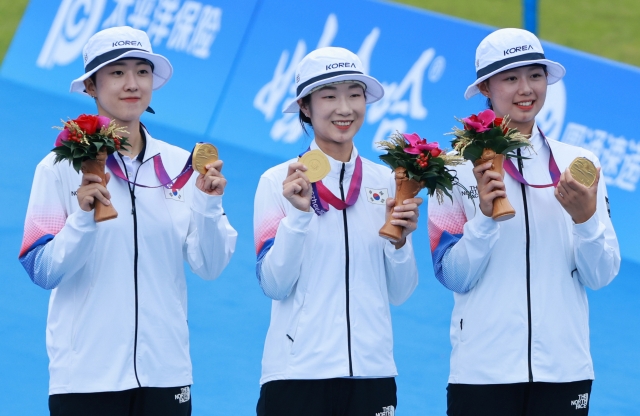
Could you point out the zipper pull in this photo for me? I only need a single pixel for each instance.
(461, 324)
(520, 164)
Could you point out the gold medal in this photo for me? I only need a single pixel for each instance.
(584, 171)
(203, 154)
(317, 165)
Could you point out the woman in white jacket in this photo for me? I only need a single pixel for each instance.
(117, 334)
(329, 348)
(519, 328)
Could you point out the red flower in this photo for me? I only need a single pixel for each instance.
(481, 122)
(75, 137)
(88, 123)
(436, 152)
(417, 145)
(498, 122)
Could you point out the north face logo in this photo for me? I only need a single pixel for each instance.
(184, 395)
(387, 411)
(582, 402)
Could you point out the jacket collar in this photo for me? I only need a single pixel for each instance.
(151, 147)
(336, 165)
(537, 141)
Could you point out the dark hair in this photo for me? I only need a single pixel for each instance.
(304, 120)
(543, 66)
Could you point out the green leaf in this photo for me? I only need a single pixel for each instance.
(77, 164)
(472, 153)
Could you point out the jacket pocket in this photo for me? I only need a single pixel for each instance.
(292, 328)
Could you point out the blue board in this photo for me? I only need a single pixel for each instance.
(231, 91)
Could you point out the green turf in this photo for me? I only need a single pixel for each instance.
(609, 28)
(10, 14)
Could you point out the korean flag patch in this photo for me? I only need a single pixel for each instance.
(176, 194)
(376, 196)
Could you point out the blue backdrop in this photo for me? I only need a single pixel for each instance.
(234, 64)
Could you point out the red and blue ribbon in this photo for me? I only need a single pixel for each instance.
(176, 183)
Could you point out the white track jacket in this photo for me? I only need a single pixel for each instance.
(331, 278)
(118, 309)
(521, 311)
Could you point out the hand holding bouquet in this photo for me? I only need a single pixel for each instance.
(484, 138)
(86, 143)
(417, 164)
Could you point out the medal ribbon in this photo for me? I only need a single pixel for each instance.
(322, 196)
(165, 180)
(510, 168)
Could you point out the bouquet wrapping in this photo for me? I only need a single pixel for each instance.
(85, 143)
(416, 164)
(485, 138)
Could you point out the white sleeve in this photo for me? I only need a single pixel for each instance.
(54, 244)
(595, 245)
(279, 237)
(211, 240)
(400, 265)
(401, 270)
(460, 249)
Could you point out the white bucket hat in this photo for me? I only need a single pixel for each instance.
(116, 43)
(329, 65)
(510, 48)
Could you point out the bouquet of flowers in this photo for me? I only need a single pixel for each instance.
(86, 143)
(417, 164)
(486, 137)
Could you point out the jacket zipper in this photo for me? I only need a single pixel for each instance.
(346, 271)
(132, 189)
(528, 263)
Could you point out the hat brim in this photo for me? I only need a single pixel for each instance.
(162, 69)
(555, 72)
(374, 91)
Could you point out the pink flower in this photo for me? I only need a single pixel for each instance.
(480, 123)
(417, 145)
(103, 122)
(64, 135)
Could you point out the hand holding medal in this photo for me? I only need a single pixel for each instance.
(205, 161)
(317, 165)
(578, 188)
(310, 168)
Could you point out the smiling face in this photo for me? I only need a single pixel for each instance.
(122, 90)
(337, 112)
(519, 92)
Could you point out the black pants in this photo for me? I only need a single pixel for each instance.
(328, 397)
(143, 401)
(519, 399)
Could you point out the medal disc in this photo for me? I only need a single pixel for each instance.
(584, 171)
(317, 165)
(203, 154)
